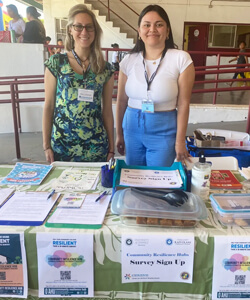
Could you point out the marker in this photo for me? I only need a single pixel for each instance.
(101, 196)
(51, 194)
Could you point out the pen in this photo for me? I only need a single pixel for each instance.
(51, 194)
(101, 196)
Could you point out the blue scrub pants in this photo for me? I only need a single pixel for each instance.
(149, 137)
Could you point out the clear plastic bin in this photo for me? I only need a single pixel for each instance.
(232, 209)
(137, 209)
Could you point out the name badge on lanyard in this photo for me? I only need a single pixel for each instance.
(148, 104)
(85, 95)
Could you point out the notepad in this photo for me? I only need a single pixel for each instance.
(27, 208)
(27, 174)
(90, 215)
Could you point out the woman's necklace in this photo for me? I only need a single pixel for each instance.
(83, 63)
(80, 61)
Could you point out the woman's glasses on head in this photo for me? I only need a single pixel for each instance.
(79, 27)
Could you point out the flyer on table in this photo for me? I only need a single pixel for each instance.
(65, 265)
(157, 258)
(231, 272)
(13, 266)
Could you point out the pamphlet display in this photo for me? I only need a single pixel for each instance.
(27, 174)
(231, 273)
(65, 265)
(13, 266)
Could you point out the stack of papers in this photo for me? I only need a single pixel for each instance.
(90, 215)
(5, 193)
(151, 178)
(27, 208)
(25, 173)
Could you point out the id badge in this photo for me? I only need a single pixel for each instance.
(85, 95)
(148, 106)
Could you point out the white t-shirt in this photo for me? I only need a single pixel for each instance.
(114, 56)
(164, 88)
(18, 26)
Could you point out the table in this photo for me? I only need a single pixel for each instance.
(107, 258)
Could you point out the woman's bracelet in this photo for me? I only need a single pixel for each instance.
(46, 148)
(111, 152)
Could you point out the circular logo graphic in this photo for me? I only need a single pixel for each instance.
(185, 275)
(169, 242)
(27, 174)
(129, 242)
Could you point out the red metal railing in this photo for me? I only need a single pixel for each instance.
(15, 81)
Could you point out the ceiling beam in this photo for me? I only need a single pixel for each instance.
(32, 3)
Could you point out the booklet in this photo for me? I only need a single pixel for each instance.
(90, 215)
(27, 208)
(25, 173)
(224, 179)
(74, 180)
(151, 178)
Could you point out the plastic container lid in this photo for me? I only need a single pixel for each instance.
(128, 203)
(231, 203)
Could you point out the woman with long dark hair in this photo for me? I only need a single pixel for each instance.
(154, 91)
(17, 23)
(34, 30)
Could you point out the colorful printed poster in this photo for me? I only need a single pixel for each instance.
(157, 258)
(13, 266)
(65, 265)
(25, 173)
(231, 272)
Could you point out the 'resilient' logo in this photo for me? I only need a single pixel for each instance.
(169, 242)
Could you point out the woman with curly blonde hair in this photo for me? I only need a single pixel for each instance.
(78, 119)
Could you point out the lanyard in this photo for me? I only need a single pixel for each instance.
(150, 80)
(80, 64)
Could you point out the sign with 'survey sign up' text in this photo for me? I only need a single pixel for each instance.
(157, 258)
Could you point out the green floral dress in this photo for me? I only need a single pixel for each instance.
(78, 133)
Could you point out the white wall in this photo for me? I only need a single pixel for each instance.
(180, 11)
(20, 60)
